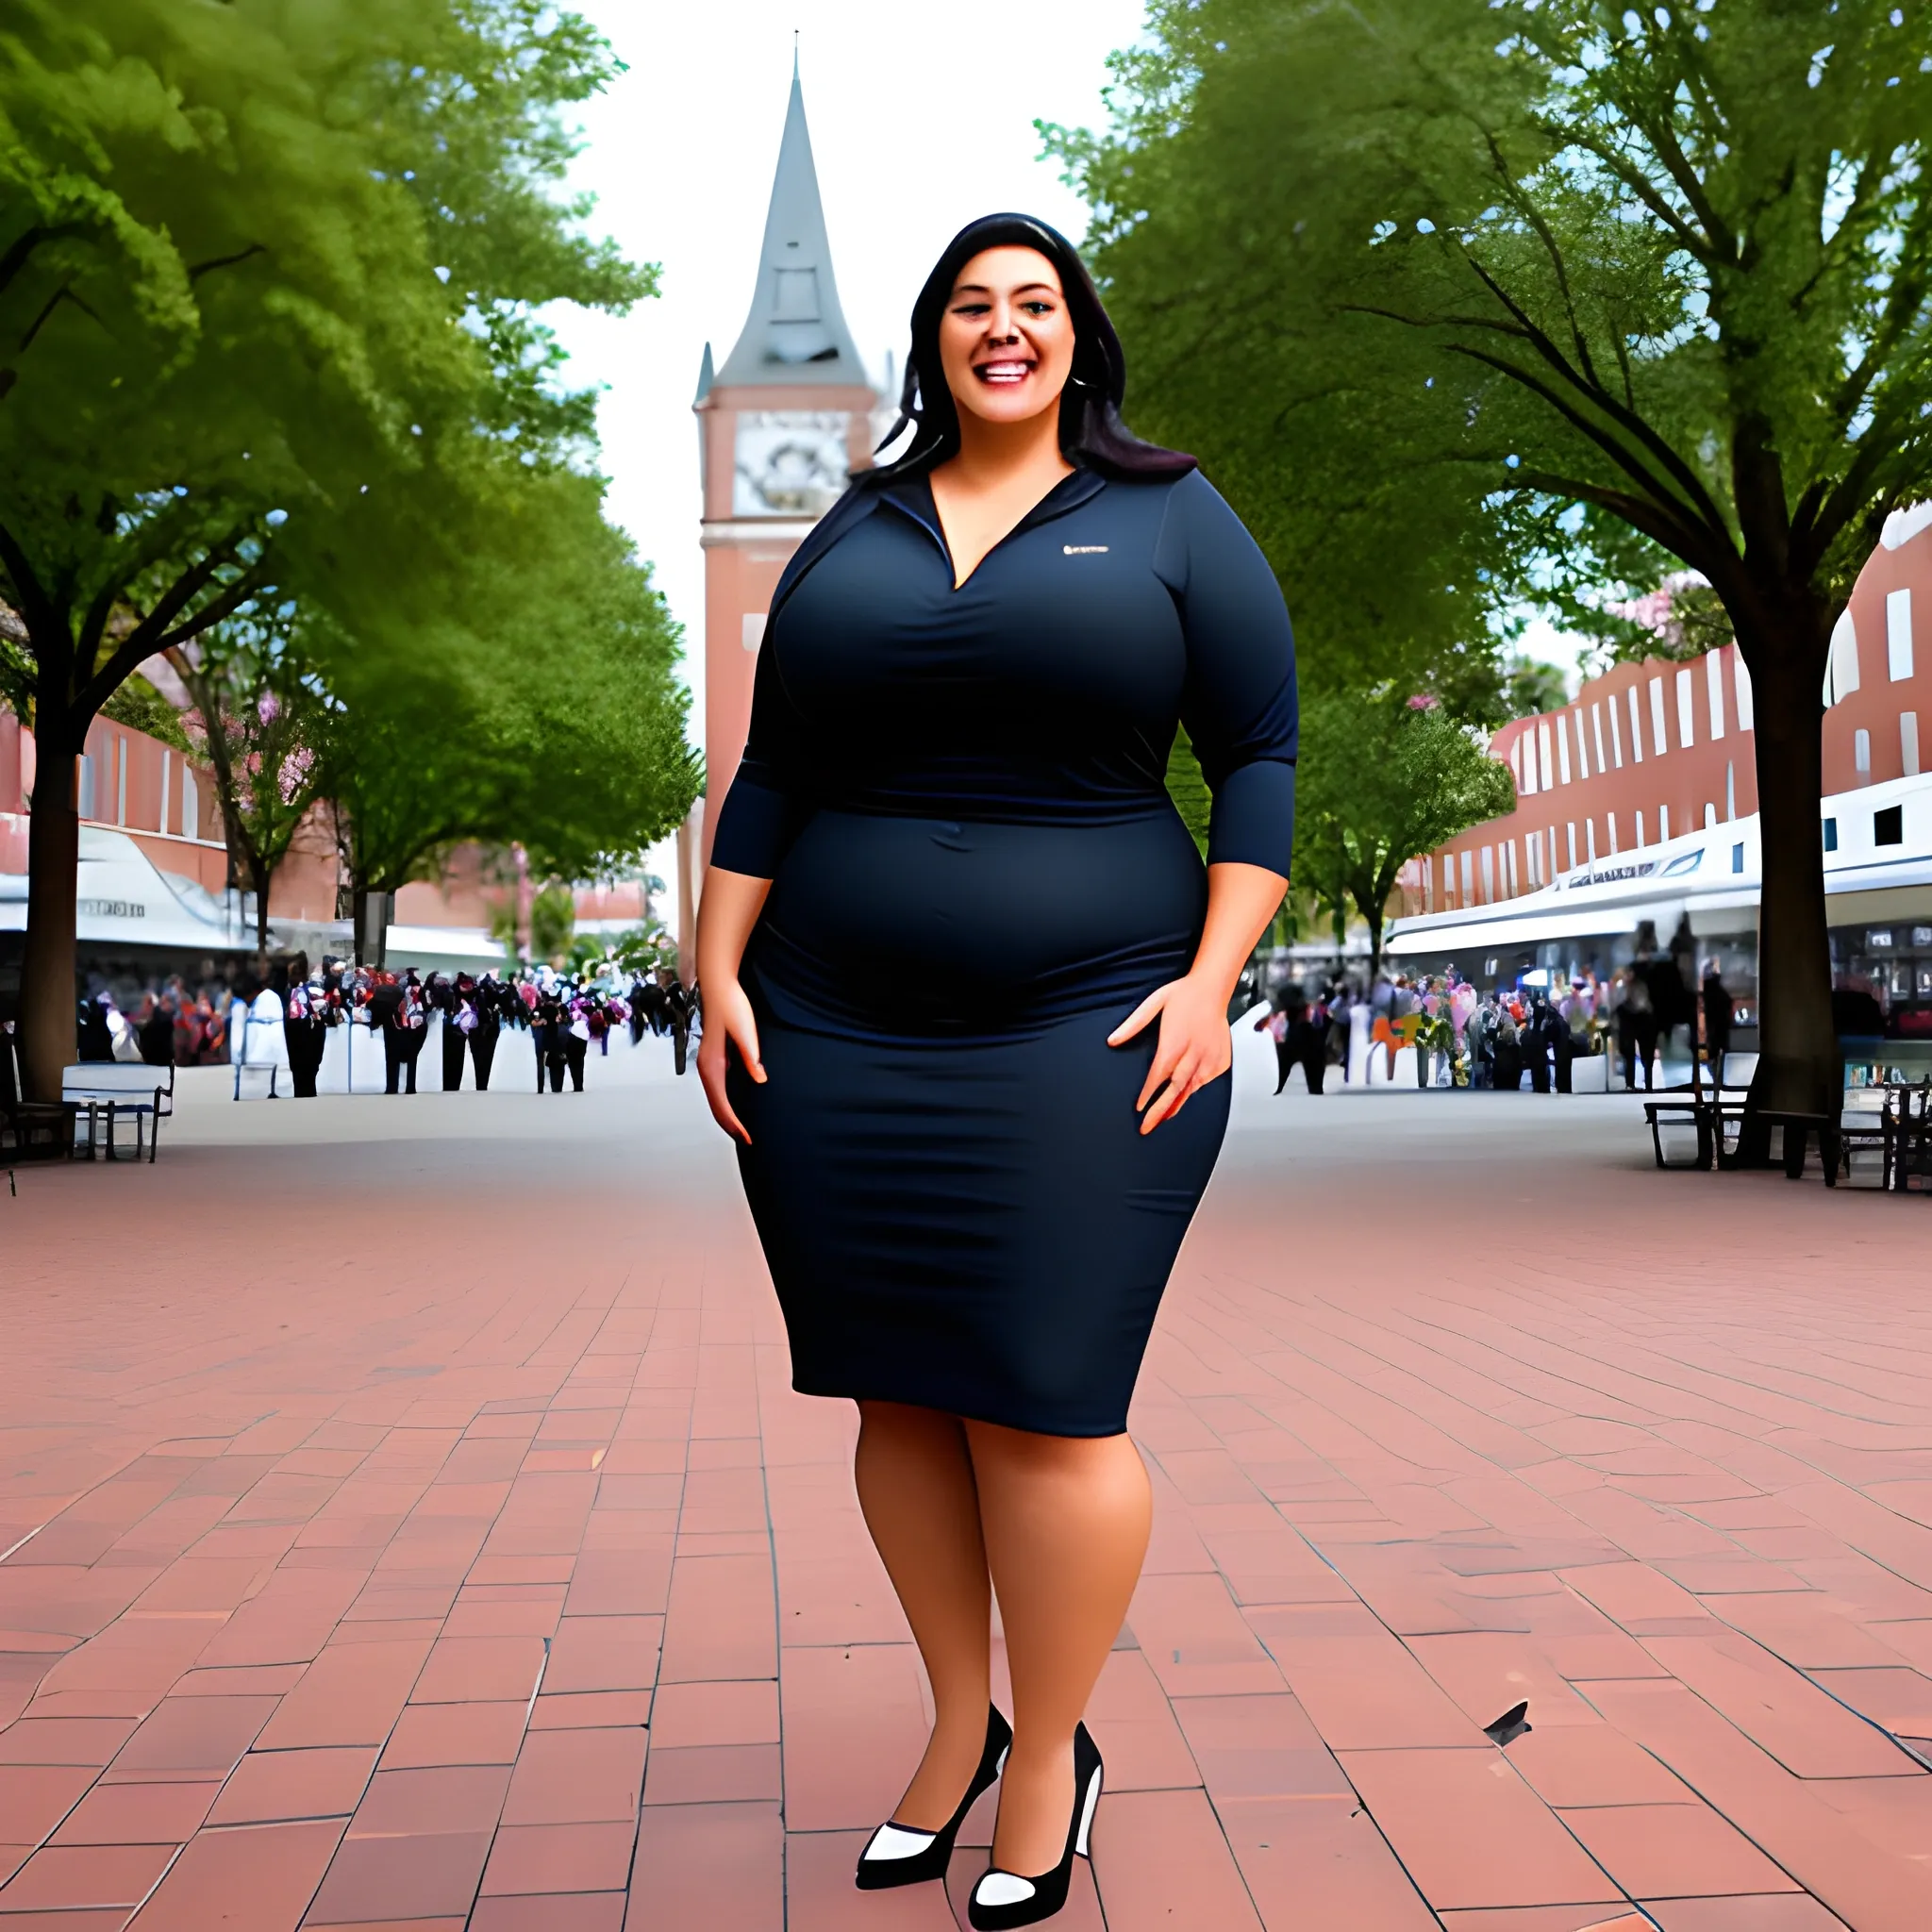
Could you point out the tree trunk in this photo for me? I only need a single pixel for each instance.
(1798, 1066)
(260, 878)
(48, 991)
(371, 926)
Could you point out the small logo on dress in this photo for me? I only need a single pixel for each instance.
(1083, 549)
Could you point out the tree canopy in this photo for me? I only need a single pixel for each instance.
(269, 283)
(542, 710)
(1382, 779)
(1472, 301)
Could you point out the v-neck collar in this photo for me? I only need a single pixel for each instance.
(911, 496)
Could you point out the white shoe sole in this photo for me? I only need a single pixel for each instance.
(1080, 1843)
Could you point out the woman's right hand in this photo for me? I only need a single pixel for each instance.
(728, 1022)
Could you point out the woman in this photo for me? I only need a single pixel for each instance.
(966, 996)
(1284, 1025)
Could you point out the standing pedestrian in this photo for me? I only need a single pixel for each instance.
(1718, 1011)
(970, 1175)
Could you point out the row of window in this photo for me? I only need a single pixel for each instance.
(1531, 754)
(92, 806)
(1841, 667)
(1491, 867)
(1907, 747)
(1543, 857)
(1888, 829)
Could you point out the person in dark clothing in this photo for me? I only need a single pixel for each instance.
(96, 1038)
(547, 1024)
(1678, 1006)
(574, 1048)
(1718, 1011)
(680, 1007)
(1314, 1043)
(386, 1000)
(1509, 1050)
(1535, 1045)
(305, 1030)
(1284, 1024)
(411, 1027)
(488, 1001)
(445, 995)
(156, 1035)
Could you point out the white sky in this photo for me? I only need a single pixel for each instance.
(921, 120)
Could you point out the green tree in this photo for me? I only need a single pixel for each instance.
(267, 275)
(553, 921)
(1558, 291)
(539, 709)
(1381, 780)
(1530, 687)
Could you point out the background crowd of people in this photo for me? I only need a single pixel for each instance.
(1498, 1039)
(569, 1015)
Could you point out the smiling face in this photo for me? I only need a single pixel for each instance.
(1006, 339)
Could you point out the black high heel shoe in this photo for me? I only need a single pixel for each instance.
(1003, 1900)
(898, 1855)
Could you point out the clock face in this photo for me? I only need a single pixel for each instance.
(790, 462)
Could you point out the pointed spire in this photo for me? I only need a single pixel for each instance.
(705, 379)
(795, 332)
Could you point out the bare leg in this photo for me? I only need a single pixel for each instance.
(1066, 1520)
(916, 1487)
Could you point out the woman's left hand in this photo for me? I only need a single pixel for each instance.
(1194, 1046)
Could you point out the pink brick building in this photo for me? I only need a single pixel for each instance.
(1638, 800)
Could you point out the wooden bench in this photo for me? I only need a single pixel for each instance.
(1710, 1110)
(114, 1091)
(1908, 1126)
(36, 1128)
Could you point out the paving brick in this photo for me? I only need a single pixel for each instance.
(1316, 1860)
(577, 1777)
(1674, 1851)
(123, 1814)
(854, 1729)
(712, 1774)
(257, 1879)
(423, 1875)
(1401, 1481)
(736, 1712)
(70, 1878)
(821, 1897)
(35, 1797)
(1161, 1860)
(716, 1866)
(351, 1694)
(191, 1738)
(1470, 1832)
(560, 1859)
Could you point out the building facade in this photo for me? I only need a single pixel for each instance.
(155, 865)
(1648, 752)
(1636, 803)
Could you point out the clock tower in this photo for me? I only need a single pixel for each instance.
(780, 423)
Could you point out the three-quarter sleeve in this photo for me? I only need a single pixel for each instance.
(1238, 704)
(769, 802)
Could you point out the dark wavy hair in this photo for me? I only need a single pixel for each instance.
(1091, 432)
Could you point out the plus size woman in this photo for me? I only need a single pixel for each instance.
(966, 985)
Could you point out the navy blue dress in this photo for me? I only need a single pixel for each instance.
(959, 797)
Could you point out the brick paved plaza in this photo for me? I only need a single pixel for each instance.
(421, 1533)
